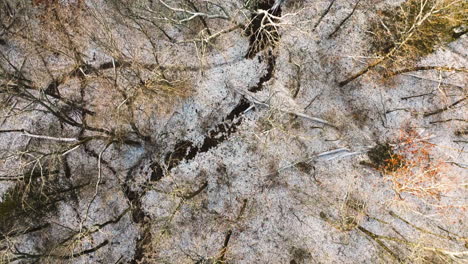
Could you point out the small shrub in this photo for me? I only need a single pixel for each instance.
(383, 156)
(412, 170)
(29, 200)
(16, 205)
(304, 167)
(416, 28)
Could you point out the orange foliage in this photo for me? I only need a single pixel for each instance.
(412, 170)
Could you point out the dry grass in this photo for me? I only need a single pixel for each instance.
(416, 28)
(413, 170)
(352, 212)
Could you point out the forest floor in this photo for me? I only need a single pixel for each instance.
(218, 131)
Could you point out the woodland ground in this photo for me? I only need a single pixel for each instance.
(194, 131)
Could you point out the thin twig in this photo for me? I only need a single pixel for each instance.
(97, 184)
(438, 111)
(425, 68)
(26, 133)
(305, 116)
(323, 14)
(344, 20)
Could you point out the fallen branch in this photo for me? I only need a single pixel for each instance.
(192, 15)
(376, 238)
(344, 20)
(425, 68)
(323, 14)
(332, 153)
(23, 255)
(305, 116)
(195, 193)
(26, 133)
(227, 238)
(438, 111)
(453, 237)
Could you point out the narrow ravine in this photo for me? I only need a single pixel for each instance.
(186, 150)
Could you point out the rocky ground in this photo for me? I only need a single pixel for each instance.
(186, 131)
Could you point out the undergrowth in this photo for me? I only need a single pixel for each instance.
(29, 200)
(412, 169)
(417, 28)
